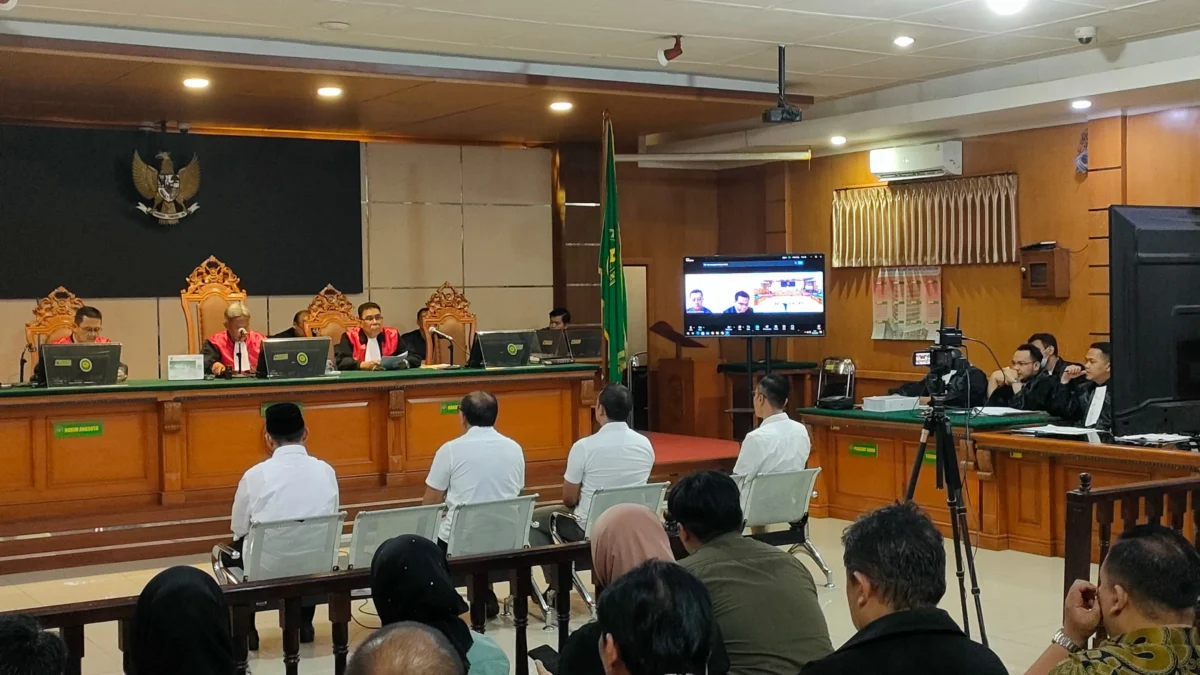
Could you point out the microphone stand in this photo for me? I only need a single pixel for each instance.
(24, 360)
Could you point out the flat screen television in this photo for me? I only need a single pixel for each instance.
(1155, 319)
(778, 295)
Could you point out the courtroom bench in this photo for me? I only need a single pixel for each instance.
(337, 586)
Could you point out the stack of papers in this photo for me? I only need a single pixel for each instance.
(1055, 429)
(1155, 438)
(1000, 411)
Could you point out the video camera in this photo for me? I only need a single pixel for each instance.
(945, 355)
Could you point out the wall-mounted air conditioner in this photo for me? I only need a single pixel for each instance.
(918, 161)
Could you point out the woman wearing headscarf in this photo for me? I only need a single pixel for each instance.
(181, 626)
(410, 581)
(624, 537)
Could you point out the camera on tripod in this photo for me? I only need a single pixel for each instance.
(944, 356)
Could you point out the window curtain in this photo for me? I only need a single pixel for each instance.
(952, 222)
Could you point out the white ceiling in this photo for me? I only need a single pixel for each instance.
(836, 47)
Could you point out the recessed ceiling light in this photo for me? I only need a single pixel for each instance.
(561, 106)
(903, 41)
(195, 83)
(838, 140)
(1081, 104)
(334, 25)
(329, 92)
(1007, 7)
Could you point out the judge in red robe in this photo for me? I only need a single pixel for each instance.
(89, 322)
(362, 348)
(236, 348)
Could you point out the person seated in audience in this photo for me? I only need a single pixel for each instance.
(1146, 601)
(296, 330)
(624, 537)
(1052, 363)
(363, 348)
(965, 386)
(613, 457)
(406, 648)
(482, 465)
(26, 649)
(289, 484)
(236, 348)
(779, 443)
(1088, 404)
(89, 323)
(1024, 385)
(560, 318)
(181, 626)
(764, 600)
(895, 577)
(654, 620)
(410, 581)
(414, 341)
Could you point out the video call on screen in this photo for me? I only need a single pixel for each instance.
(748, 296)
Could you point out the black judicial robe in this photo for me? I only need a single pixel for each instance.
(1036, 394)
(964, 388)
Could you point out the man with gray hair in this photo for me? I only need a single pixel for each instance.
(235, 349)
(406, 648)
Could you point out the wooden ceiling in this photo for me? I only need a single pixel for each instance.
(99, 90)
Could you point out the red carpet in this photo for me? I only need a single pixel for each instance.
(675, 449)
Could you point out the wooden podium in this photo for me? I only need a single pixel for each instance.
(690, 395)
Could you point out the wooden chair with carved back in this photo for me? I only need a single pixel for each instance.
(53, 318)
(211, 288)
(449, 312)
(330, 314)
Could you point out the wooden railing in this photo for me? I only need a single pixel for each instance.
(336, 587)
(1094, 510)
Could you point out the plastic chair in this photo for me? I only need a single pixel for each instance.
(649, 495)
(283, 548)
(372, 528)
(783, 497)
(491, 527)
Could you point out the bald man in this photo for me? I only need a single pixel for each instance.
(406, 648)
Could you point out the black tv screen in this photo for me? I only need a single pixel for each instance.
(754, 296)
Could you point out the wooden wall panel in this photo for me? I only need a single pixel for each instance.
(1105, 188)
(1163, 164)
(16, 454)
(1106, 143)
(1053, 202)
(742, 211)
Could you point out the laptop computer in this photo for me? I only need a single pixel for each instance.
(81, 365)
(502, 348)
(295, 357)
(585, 342)
(552, 347)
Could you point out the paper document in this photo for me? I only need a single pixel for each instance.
(1155, 438)
(1055, 429)
(1000, 411)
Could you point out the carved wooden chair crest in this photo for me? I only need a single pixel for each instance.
(210, 289)
(330, 314)
(449, 312)
(53, 318)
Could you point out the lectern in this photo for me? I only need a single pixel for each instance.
(690, 394)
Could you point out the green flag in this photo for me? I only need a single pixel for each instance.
(613, 309)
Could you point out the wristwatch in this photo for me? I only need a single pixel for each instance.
(1060, 638)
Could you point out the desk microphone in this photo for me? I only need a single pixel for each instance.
(242, 334)
(453, 344)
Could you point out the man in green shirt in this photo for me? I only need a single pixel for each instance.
(1146, 600)
(764, 600)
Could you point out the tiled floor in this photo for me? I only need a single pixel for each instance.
(1021, 599)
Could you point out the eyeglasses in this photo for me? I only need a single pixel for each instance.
(1023, 363)
(92, 331)
(373, 318)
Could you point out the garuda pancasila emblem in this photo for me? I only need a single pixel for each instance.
(169, 190)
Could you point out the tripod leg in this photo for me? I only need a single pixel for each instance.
(916, 469)
(948, 462)
(962, 518)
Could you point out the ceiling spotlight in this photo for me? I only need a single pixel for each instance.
(1081, 104)
(903, 41)
(195, 83)
(334, 25)
(329, 92)
(666, 56)
(561, 106)
(1007, 7)
(838, 140)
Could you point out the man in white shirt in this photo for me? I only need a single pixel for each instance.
(288, 485)
(613, 457)
(482, 465)
(779, 443)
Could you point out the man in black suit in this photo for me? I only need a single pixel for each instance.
(895, 577)
(297, 328)
(414, 341)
